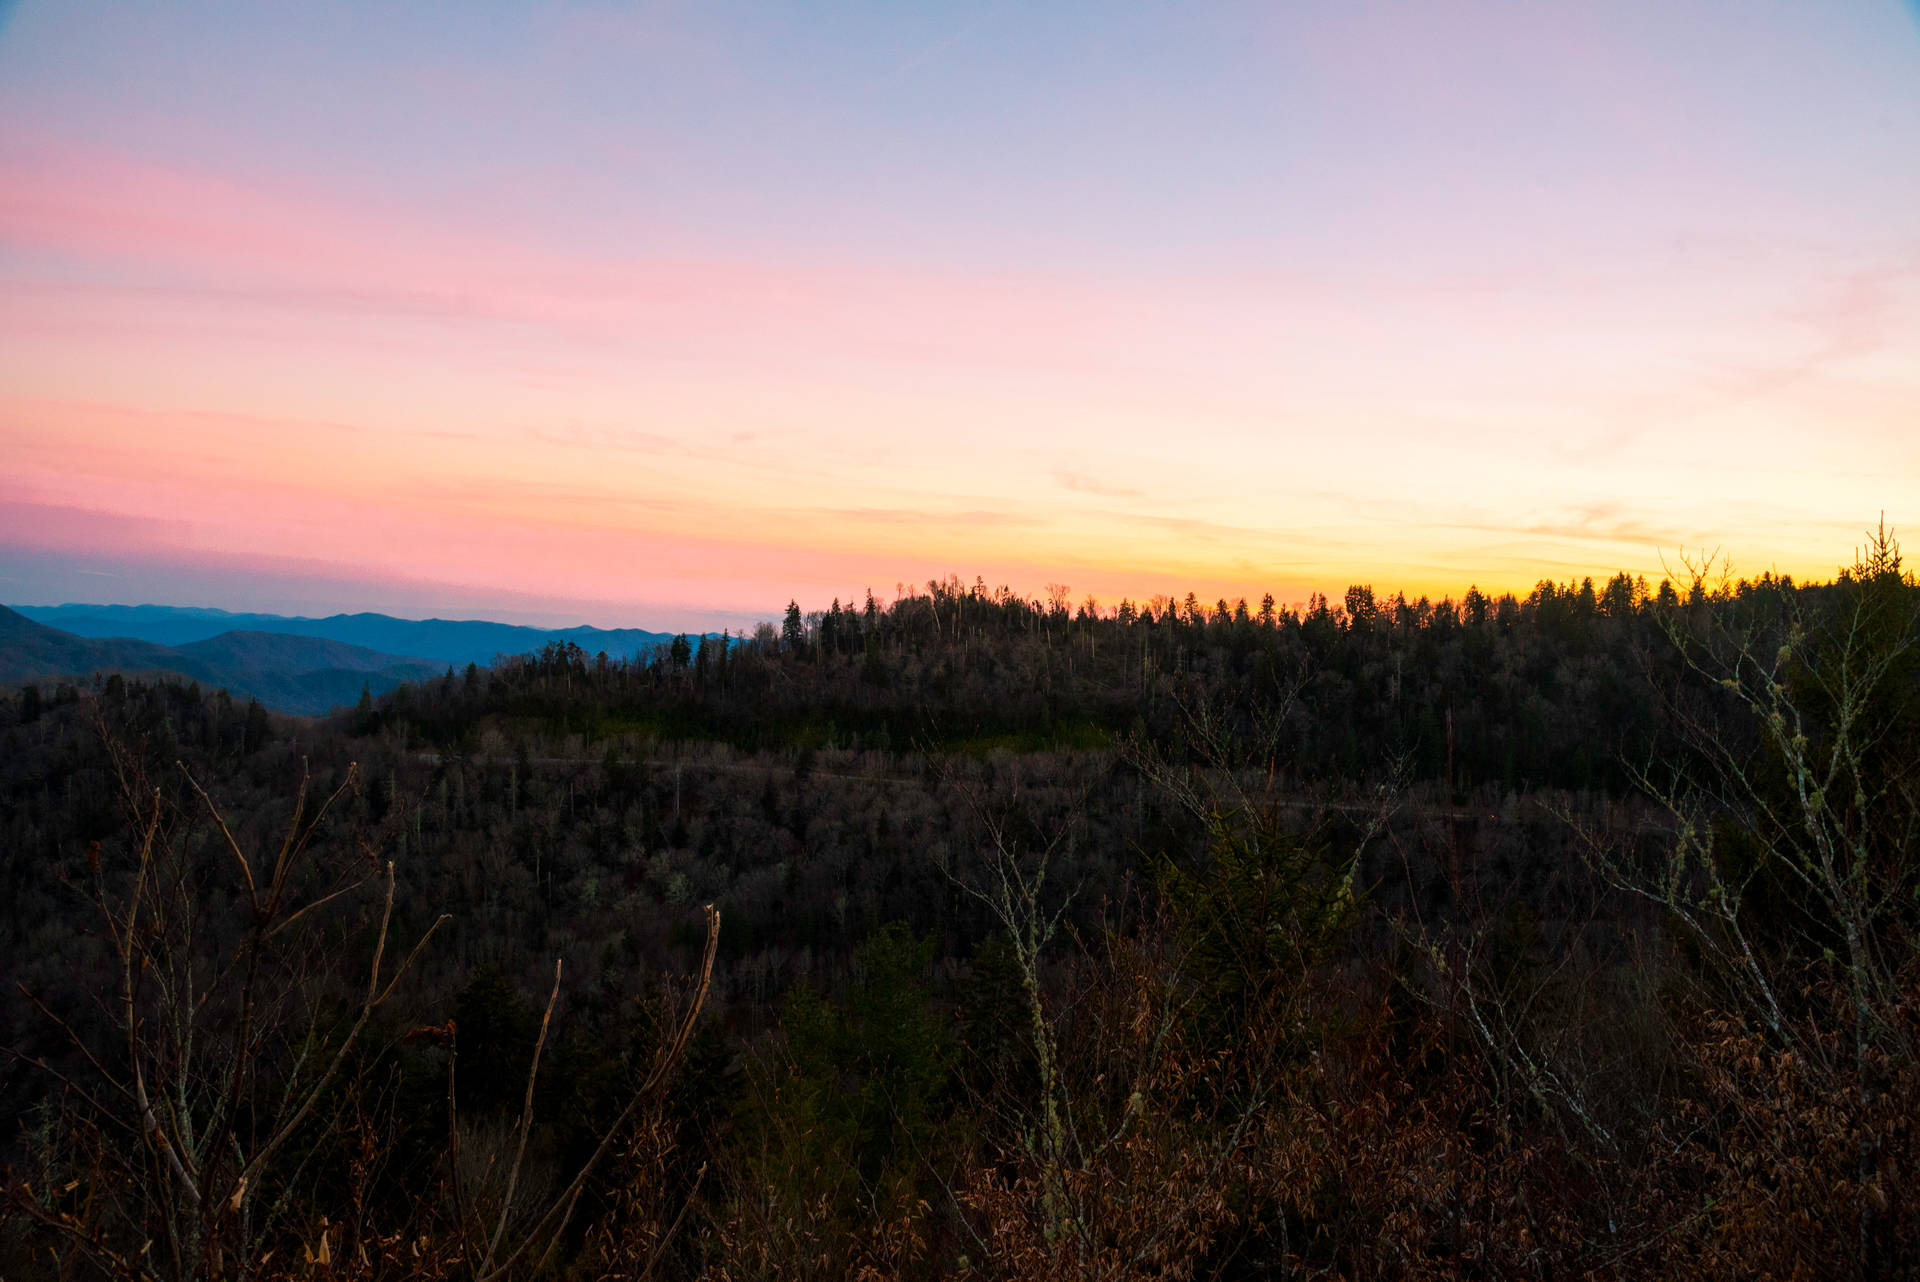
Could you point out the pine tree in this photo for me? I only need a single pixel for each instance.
(793, 632)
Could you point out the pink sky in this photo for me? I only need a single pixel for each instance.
(664, 319)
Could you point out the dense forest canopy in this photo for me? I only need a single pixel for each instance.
(1503, 936)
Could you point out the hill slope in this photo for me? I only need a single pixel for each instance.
(29, 651)
(285, 652)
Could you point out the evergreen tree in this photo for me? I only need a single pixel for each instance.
(793, 632)
(259, 731)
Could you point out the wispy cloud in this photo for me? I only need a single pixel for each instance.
(926, 518)
(28, 524)
(1083, 484)
(1607, 523)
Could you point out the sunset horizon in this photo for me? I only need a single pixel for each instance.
(296, 591)
(656, 317)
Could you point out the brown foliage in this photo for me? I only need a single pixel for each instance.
(1799, 1169)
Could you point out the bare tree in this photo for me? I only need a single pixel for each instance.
(1825, 685)
(238, 1064)
(1792, 874)
(230, 1033)
(529, 1244)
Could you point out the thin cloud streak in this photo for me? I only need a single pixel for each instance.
(1087, 485)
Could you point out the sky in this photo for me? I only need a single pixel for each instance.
(662, 314)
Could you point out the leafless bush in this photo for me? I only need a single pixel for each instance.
(188, 1143)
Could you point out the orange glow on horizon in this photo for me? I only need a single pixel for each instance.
(1286, 337)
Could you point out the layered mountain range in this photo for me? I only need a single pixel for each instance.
(445, 641)
(296, 665)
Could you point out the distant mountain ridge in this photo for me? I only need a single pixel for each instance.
(305, 675)
(446, 641)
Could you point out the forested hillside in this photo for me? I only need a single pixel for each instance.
(983, 936)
